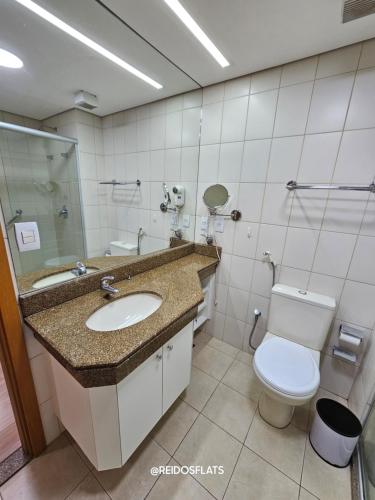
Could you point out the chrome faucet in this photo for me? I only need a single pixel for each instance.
(104, 285)
(80, 269)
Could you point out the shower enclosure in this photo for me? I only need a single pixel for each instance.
(39, 182)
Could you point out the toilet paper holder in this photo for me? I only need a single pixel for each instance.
(350, 340)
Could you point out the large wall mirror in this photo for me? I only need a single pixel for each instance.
(126, 182)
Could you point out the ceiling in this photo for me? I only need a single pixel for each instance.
(252, 34)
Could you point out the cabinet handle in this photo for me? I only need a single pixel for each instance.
(159, 357)
(170, 347)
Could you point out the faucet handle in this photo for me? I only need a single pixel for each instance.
(106, 279)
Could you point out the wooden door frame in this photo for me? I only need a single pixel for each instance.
(16, 364)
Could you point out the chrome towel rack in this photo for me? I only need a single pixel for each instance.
(293, 185)
(113, 182)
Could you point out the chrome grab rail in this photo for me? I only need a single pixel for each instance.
(113, 182)
(293, 185)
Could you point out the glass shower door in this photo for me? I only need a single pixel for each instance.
(40, 183)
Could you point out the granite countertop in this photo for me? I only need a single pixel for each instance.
(25, 281)
(103, 358)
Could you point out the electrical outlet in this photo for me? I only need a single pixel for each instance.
(173, 220)
(186, 221)
(204, 224)
(219, 223)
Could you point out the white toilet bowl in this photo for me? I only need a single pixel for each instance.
(289, 375)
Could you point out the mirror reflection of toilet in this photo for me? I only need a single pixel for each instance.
(287, 361)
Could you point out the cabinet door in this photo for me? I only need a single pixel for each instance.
(140, 403)
(177, 354)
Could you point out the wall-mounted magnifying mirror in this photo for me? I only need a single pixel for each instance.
(216, 197)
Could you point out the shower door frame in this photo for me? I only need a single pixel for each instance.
(13, 352)
(16, 364)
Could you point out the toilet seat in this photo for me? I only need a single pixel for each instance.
(287, 367)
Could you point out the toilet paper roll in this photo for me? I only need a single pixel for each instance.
(349, 342)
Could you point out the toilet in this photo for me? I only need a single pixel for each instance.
(122, 248)
(287, 361)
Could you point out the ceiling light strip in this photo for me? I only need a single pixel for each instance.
(189, 22)
(69, 30)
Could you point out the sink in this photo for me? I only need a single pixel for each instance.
(124, 312)
(53, 279)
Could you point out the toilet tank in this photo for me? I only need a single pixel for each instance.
(122, 248)
(300, 316)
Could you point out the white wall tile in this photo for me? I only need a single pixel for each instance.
(261, 115)
(189, 164)
(294, 277)
(237, 87)
(233, 332)
(237, 303)
(319, 157)
(344, 211)
(250, 197)
(337, 376)
(191, 126)
(338, 61)
(334, 253)
(284, 158)
(276, 205)
(230, 162)
(255, 160)
(299, 71)
(211, 123)
(368, 222)
(213, 93)
(268, 79)
(362, 267)
(192, 99)
(271, 239)
(209, 163)
(329, 103)
(245, 239)
(262, 278)
(308, 209)
(326, 285)
(173, 130)
(292, 109)
(241, 272)
(300, 248)
(355, 163)
(157, 132)
(234, 119)
(362, 105)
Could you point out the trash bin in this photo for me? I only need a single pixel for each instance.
(334, 432)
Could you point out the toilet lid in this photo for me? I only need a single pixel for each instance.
(287, 367)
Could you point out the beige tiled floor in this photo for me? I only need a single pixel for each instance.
(215, 422)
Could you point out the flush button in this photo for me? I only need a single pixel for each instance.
(302, 292)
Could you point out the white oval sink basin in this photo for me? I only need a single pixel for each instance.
(124, 312)
(53, 279)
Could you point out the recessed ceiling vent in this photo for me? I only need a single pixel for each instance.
(85, 100)
(354, 9)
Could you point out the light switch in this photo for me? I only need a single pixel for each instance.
(27, 236)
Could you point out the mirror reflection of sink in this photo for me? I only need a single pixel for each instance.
(124, 312)
(53, 279)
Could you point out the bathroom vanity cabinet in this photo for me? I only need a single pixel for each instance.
(110, 422)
